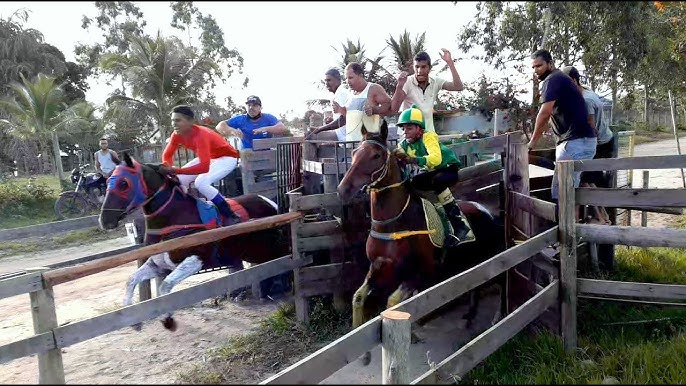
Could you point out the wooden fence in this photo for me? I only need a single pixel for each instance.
(49, 338)
(570, 232)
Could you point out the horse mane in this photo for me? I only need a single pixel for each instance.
(172, 180)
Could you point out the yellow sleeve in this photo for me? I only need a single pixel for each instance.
(433, 148)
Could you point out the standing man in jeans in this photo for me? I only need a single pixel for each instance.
(605, 148)
(563, 105)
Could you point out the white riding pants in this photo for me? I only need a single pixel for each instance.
(219, 168)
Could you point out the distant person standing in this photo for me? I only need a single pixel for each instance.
(105, 159)
(332, 80)
(253, 125)
(421, 90)
(563, 105)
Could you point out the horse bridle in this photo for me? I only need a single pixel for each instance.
(130, 208)
(371, 187)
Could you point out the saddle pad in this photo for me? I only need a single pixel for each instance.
(209, 215)
(437, 219)
(238, 209)
(434, 222)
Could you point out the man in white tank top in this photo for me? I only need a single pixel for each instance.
(105, 159)
(367, 103)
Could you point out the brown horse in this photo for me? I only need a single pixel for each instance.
(170, 213)
(404, 261)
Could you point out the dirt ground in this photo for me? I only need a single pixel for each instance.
(154, 355)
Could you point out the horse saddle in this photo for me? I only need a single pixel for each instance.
(437, 222)
(209, 214)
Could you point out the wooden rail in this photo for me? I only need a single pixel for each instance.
(327, 360)
(535, 206)
(634, 236)
(472, 353)
(67, 274)
(649, 162)
(634, 290)
(631, 197)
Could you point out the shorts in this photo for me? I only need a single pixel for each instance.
(574, 149)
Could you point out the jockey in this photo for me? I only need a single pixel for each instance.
(216, 159)
(422, 148)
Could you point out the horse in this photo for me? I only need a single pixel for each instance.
(403, 258)
(170, 212)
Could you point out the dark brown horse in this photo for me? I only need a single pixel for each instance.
(169, 213)
(404, 261)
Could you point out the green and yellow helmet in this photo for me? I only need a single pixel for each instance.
(412, 115)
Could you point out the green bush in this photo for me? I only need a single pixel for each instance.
(18, 198)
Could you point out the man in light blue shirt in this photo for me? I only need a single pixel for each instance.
(253, 125)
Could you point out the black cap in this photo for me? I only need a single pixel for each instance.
(572, 72)
(253, 99)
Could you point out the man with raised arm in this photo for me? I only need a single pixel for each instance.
(421, 90)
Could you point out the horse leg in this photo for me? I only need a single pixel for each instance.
(186, 268)
(502, 283)
(398, 296)
(473, 305)
(146, 271)
(358, 314)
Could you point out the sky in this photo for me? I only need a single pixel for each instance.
(286, 46)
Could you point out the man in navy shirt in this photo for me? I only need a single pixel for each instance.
(253, 125)
(563, 105)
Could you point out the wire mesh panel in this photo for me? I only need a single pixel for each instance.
(288, 171)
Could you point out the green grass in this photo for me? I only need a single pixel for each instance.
(629, 343)
(73, 238)
(654, 133)
(276, 343)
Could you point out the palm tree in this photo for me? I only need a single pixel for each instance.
(38, 111)
(404, 50)
(160, 72)
(351, 53)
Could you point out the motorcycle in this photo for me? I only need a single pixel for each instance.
(87, 197)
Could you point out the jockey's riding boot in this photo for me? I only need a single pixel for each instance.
(462, 232)
(225, 210)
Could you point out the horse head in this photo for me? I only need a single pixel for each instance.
(369, 163)
(129, 187)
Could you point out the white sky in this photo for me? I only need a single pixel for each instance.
(286, 46)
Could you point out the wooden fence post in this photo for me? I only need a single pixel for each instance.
(302, 309)
(395, 347)
(311, 181)
(337, 253)
(567, 236)
(50, 366)
(644, 214)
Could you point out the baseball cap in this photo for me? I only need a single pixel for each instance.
(253, 99)
(572, 72)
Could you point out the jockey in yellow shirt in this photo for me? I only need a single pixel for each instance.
(422, 148)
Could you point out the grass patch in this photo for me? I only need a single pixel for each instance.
(279, 341)
(618, 342)
(654, 133)
(63, 240)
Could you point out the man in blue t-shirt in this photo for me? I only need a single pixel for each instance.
(253, 125)
(563, 105)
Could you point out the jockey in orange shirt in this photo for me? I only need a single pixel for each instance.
(216, 158)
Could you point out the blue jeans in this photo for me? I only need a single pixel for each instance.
(574, 149)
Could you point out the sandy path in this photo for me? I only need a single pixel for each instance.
(659, 178)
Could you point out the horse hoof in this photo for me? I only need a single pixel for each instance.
(137, 327)
(366, 358)
(169, 324)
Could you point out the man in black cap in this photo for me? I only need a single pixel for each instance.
(253, 125)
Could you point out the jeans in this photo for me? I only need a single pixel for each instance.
(574, 149)
(599, 178)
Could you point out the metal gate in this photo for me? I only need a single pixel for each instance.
(288, 171)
